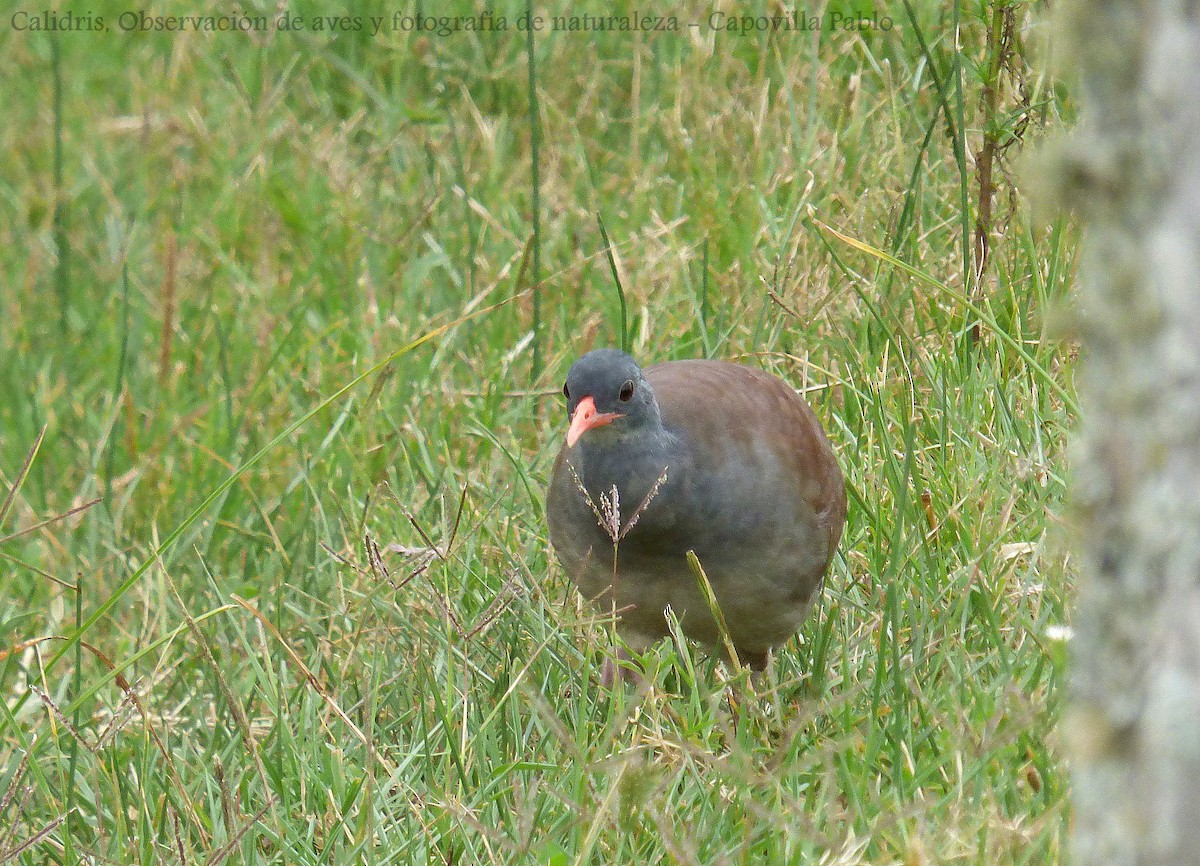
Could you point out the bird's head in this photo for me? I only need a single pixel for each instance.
(606, 387)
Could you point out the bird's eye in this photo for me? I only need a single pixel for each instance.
(626, 392)
(566, 392)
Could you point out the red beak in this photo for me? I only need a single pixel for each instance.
(585, 418)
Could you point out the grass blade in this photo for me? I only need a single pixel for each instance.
(241, 470)
(612, 264)
(535, 182)
(21, 476)
(715, 608)
(961, 297)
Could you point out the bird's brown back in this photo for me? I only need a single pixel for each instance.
(729, 410)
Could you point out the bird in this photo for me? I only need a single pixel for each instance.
(717, 458)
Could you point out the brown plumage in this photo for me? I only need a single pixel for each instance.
(752, 486)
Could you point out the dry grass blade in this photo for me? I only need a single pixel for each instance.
(178, 837)
(337, 557)
(7, 836)
(423, 557)
(104, 660)
(65, 584)
(374, 559)
(11, 791)
(167, 332)
(445, 606)
(587, 497)
(654, 488)
(610, 507)
(227, 801)
(224, 851)
(429, 545)
(779, 302)
(313, 682)
(57, 712)
(462, 502)
(426, 554)
(6, 856)
(21, 476)
(120, 718)
(50, 520)
(503, 598)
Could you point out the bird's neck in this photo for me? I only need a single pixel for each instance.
(632, 462)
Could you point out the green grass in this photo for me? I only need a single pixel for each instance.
(247, 225)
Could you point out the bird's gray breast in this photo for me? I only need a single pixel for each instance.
(649, 479)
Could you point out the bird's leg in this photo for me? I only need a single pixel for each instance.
(743, 692)
(623, 663)
(613, 669)
(757, 662)
(608, 673)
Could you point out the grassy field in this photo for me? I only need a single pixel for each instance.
(279, 303)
